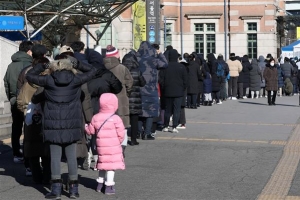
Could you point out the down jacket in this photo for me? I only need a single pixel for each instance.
(110, 136)
(62, 123)
(255, 76)
(150, 62)
(271, 77)
(135, 99)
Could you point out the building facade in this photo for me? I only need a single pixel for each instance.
(250, 25)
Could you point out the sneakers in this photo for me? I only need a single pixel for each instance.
(175, 130)
(149, 137)
(219, 103)
(28, 172)
(181, 126)
(18, 160)
(233, 98)
(244, 97)
(166, 129)
(110, 190)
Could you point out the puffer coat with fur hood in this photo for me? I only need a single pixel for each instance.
(62, 123)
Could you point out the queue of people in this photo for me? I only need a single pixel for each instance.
(83, 106)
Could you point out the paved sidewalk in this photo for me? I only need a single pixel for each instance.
(240, 150)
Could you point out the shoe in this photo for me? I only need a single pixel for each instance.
(274, 104)
(256, 97)
(100, 187)
(18, 160)
(109, 190)
(175, 130)
(233, 98)
(166, 129)
(149, 137)
(244, 97)
(73, 189)
(210, 103)
(86, 164)
(28, 172)
(181, 126)
(132, 143)
(220, 103)
(56, 187)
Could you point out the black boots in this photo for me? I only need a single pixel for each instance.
(210, 103)
(73, 189)
(56, 186)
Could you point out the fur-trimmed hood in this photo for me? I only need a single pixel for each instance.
(62, 71)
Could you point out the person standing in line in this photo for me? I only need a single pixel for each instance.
(150, 61)
(235, 67)
(112, 63)
(174, 83)
(62, 92)
(20, 60)
(271, 77)
(262, 66)
(255, 79)
(194, 76)
(109, 130)
(280, 79)
(207, 89)
(135, 101)
(223, 92)
(217, 71)
(247, 67)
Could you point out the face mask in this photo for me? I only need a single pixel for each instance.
(272, 64)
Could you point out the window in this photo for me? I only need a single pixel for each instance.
(211, 43)
(205, 38)
(199, 27)
(252, 45)
(210, 27)
(168, 39)
(252, 26)
(199, 43)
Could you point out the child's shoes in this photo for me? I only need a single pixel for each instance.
(110, 190)
(100, 187)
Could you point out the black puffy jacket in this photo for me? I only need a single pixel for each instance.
(135, 100)
(62, 110)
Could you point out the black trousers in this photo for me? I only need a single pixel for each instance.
(191, 99)
(41, 172)
(216, 96)
(272, 99)
(173, 106)
(182, 119)
(134, 127)
(232, 86)
(17, 126)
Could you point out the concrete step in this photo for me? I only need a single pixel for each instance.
(5, 119)
(5, 130)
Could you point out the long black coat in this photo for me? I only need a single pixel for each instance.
(194, 75)
(135, 99)
(62, 123)
(213, 67)
(174, 79)
(247, 67)
(271, 77)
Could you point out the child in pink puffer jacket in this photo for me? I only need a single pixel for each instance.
(109, 130)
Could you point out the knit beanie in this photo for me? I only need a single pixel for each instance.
(111, 51)
(65, 48)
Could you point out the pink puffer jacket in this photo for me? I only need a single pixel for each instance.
(111, 135)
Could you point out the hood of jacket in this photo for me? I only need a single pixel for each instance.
(245, 59)
(111, 62)
(146, 50)
(287, 80)
(108, 103)
(254, 62)
(261, 59)
(62, 72)
(96, 59)
(211, 58)
(21, 56)
(173, 55)
(130, 60)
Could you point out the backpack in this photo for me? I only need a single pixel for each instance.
(220, 70)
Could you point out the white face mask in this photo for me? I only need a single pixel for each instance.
(272, 64)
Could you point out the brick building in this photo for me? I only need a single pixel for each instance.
(251, 27)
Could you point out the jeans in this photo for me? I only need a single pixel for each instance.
(240, 90)
(191, 99)
(173, 106)
(148, 125)
(223, 91)
(232, 86)
(17, 126)
(295, 88)
(56, 152)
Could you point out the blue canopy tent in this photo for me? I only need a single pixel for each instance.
(288, 51)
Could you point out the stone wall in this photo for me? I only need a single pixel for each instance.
(7, 49)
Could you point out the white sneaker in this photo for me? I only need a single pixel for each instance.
(233, 98)
(175, 130)
(256, 97)
(28, 172)
(18, 160)
(220, 103)
(166, 129)
(181, 126)
(244, 97)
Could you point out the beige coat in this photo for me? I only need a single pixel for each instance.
(235, 67)
(124, 76)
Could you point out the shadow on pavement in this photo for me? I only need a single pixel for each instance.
(266, 104)
(17, 171)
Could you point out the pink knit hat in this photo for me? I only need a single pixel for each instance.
(111, 51)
